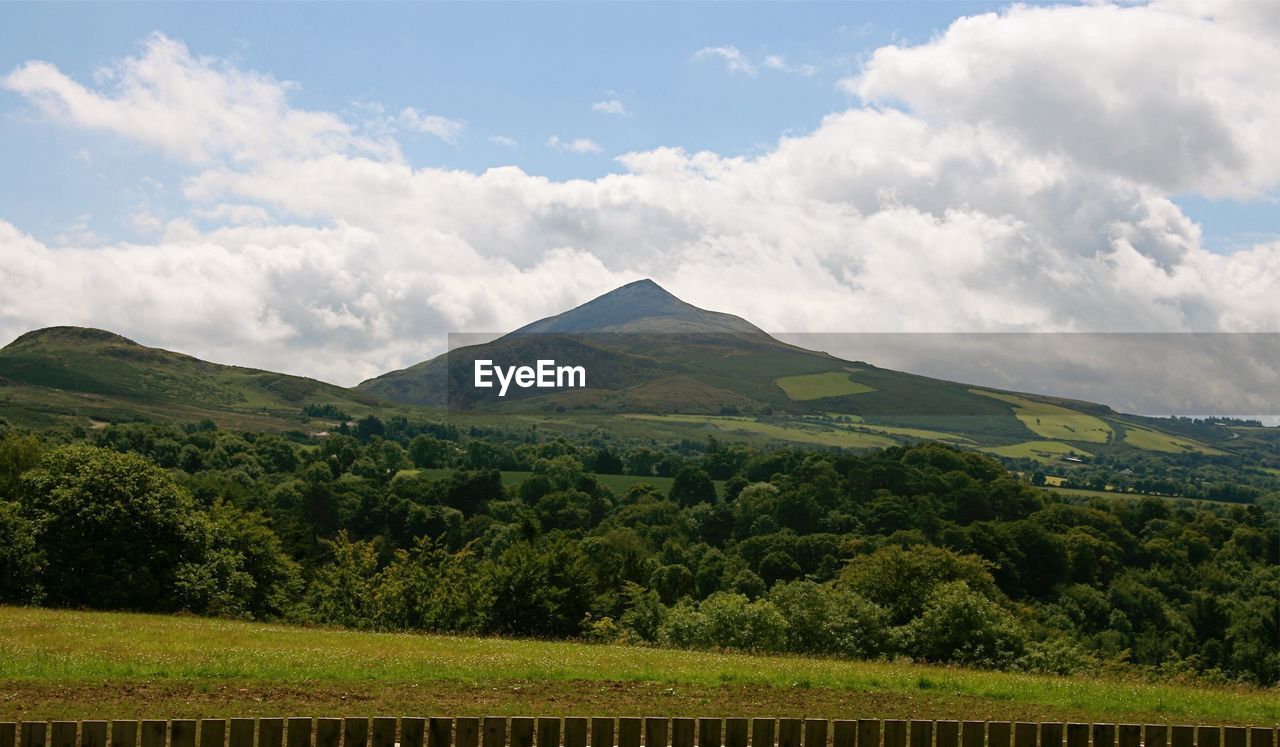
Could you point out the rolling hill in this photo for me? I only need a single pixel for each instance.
(58, 372)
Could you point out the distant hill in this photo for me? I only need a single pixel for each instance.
(62, 371)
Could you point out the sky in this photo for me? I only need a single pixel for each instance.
(329, 189)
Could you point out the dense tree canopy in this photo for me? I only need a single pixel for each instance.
(927, 552)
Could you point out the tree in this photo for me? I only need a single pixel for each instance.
(901, 579)
(962, 626)
(692, 486)
(115, 528)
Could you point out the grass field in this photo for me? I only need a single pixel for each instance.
(798, 432)
(817, 386)
(1042, 451)
(1051, 421)
(1145, 438)
(63, 664)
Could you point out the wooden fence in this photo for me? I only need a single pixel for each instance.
(622, 732)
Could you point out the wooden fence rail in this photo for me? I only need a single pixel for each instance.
(574, 731)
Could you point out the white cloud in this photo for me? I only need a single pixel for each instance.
(504, 141)
(1173, 99)
(734, 60)
(448, 130)
(779, 63)
(580, 145)
(193, 108)
(609, 106)
(344, 263)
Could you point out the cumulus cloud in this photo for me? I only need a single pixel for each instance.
(504, 141)
(193, 108)
(1168, 97)
(576, 145)
(448, 130)
(915, 210)
(609, 106)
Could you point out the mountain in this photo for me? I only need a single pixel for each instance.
(642, 307)
(58, 372)
(656, 366)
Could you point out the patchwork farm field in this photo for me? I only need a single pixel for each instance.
(63, 665)
(820, 385)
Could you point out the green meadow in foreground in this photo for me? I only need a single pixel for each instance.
(63, 664)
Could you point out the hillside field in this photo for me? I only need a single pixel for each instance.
(65, 664)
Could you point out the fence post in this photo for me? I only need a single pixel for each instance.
(972, 734)
(270, 732)
(328, 732)
(709, 732)
(182, 733)
(466, 731)
(947, 733)
(895, 733)
(1077, 735)
(1182, 736)
(1261, 737)
(33, 734)
(213, 732)
(153, 733)
(1130, 735)
(439, 731)
(1232, 736)
(62, 734)
(495, 731)
(240, 732)
(682, 732)
(1104, 735)
(601, 732)
(1024, 734)
(382, 732)
(762, 732)
(998, 733)
(789, 732)
(522, 731)
(629, 729)
(921, 733)
(655, 732)
(1050, 734)
(844, 733)
(412, 731)
(8, 733)
(1155, 735)
(355, 732)
(1208, 736)
(815, 732)
(735, 732)
(548, 731)
(124, 734)
(92, 734)
(575, 732)
(868, 732)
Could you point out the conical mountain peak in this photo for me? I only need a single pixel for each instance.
(642, 306)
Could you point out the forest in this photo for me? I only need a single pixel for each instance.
(921, 552)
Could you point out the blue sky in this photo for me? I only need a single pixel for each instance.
(521, 71)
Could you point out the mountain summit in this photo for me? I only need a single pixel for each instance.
(640, 307)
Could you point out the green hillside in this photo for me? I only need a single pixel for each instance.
(77, 373)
